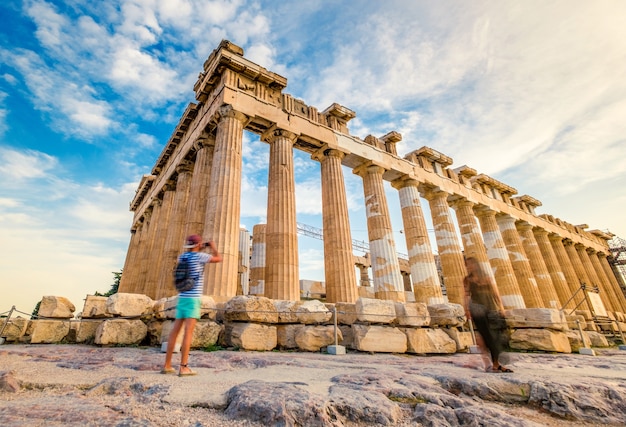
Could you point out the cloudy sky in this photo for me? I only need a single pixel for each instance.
(532, 93)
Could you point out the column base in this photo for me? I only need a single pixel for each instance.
(397, 296)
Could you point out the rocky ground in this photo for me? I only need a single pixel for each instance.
(74, 385)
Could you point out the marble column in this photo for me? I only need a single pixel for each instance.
(450, 254)
(426, 286)
(364, 275)
(281, 235)
(606, 283)
(223, 210)
(473, 245)
(519, 261)
(157, 255)
(572, 291)
(577, 264)
(538, 265)
(243, 288)
(608, 271)
(605, 296)
(499, 259)
(131, 259)
(153, 215)
(388, 283)
(339, 273)
(200, 181)
(175, 238)
(257, 261)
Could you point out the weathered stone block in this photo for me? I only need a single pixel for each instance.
(287, 310)
(154, 333)
(251, 336)
(313, 312)
(208, 308)
(536, 318)
(412, 314)
(49, 331)
(346, 313)
(540, 339)
(379, 339)
(130, 305)
(165, 308)
(347, 336)
(314, 338)
(429, 341)
(573, 320)
(597, 339)
(366, 292)
(375, 310)
(95, 307)
(15, 328)
(87, 330)
(243, 308)
(205, 334)
(56, 307)
(121, 331)
(286, 335)
(577, 342)
(463, 339)
(446, 314)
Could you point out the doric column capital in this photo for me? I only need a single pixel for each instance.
(184, 166)
(404, 181)
(566, 242)
(523, 225)
(203, 141)
(227, 111)
(484, 211)
(325, 152)
(155, 202)
(432, 192)
(273, 133)
(461, 202)
(368, 168)
(170, 185)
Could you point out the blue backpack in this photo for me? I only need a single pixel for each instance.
(183, 279)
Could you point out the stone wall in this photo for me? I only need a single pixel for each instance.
(261, 324)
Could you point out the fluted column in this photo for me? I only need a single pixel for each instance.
(388, 283)
(131, 256)
(153, 215)
(604, 280)
(538, 265)
(257, 261)
(158, 245)
(605, 295)
(175, 239)
(339, 273)
(200, 180)
(499, 259)
(577, 264)
(519, 261)
(243, 287)
(608, 271)
(450, 254)
(281, 266)
(223, 210)
(426, 286)
(569, 274)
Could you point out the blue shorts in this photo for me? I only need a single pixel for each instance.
(188, 308)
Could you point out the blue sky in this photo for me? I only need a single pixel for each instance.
(531, 93)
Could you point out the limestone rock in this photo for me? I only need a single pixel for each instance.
(286, 335)
(243, 308)
(429, 341)
(205, 334)
(129, 305)
(597, 339)
(536, 318)
(375, 310)
(575, 340)
(165, 308)
(251, 336)
(87, 330)
(49, 331)
(412, 314)
(56, 308)
(379, 339)
(15, 328)
(346, 313)
(540, 339)
(287, 310)
(95, 307)
(120, 331)
(314, 338)
(8, 382)
(313, 312)
(463, 339)
(446, 314)
(347, 337)
(208, 308)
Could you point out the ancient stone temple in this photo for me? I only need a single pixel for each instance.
(195, 186)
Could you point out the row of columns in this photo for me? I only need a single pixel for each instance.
(531, 267)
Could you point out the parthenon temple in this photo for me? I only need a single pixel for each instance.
(537, 261)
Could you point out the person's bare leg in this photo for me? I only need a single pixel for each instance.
(190, 325)
(171, 343)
